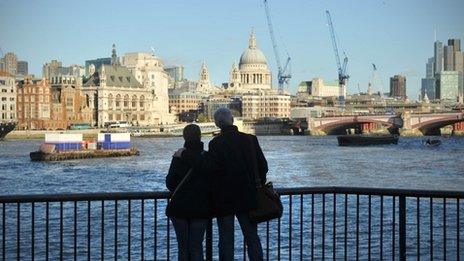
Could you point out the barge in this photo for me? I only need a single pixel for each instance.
(63, 146)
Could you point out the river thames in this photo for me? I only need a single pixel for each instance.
(294, 161)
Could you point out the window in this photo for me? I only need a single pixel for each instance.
(118, 100)
(126, 100)
(110, 101)
(142, 102)
(134, 101)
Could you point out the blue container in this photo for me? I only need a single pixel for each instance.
(114, 145)
(68, 146)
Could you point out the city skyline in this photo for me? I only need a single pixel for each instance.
(218, 32)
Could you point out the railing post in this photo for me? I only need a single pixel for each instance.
(209, 241)
(402, 227)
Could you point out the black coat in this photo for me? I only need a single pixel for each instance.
(231, 162)
(193, 199)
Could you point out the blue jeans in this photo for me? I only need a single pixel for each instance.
(250, 234)
(190, 234)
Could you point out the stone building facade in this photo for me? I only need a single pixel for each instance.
(7, 97)
(184, 102)
(265, 105)
(251, 80)
(113, 94)
(252, 72)
(149, 71)
(69, 104)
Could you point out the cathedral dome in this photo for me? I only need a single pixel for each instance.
(252, 55)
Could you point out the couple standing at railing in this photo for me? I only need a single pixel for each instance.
(225, 182)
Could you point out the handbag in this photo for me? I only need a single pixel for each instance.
(268, 201)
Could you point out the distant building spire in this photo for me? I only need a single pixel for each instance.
(114, 57)
(252, 41)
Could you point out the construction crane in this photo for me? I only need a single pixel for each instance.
(283, 74)
(342, 74)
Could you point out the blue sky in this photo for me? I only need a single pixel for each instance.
(395, 35)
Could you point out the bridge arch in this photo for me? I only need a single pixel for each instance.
(432, 127)
(340, 127)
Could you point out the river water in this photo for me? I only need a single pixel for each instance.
(294, 161)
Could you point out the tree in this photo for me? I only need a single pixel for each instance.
(202, 118)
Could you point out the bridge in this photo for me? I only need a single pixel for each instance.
(407, 124)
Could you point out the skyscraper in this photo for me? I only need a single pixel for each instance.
(51, 69)
(10, 63)
(22, 68)
(438, 56)
(428, 83)
(448, 86)
(448, 58)
(398, 86)
(456, 43)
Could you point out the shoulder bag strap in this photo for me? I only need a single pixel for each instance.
(184, 179)
(182, 182)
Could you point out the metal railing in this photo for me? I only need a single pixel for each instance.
(318, 223)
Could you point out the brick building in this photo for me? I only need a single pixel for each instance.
(34, 104)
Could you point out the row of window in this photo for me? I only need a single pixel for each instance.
(266, 109)
(27, 90)
(184, 101)
(5, 107)
(8, 116)
(126, 104)
(40, 98)
(132, 117)
(265, 99)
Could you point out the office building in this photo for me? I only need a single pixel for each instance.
(398, 87)
(7, 97)
(438, 56)
(448, 86)
(448, 58)
(175, 73)
(9, 63)
(23, 68)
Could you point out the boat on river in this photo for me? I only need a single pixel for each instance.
(66, 146)
(366, 140)
(5, 128)
(432, 143)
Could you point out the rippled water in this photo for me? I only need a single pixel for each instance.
(293, 161)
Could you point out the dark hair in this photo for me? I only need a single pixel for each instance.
(192, 132)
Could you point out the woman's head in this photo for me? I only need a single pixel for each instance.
(192, 133)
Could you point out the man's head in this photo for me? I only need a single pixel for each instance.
(192, 133)
(223, 118)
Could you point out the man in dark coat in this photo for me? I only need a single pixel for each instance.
(234, 184)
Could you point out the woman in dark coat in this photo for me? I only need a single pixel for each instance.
(189, 208)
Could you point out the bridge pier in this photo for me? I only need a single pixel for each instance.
(410, 132)
(458, 129)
